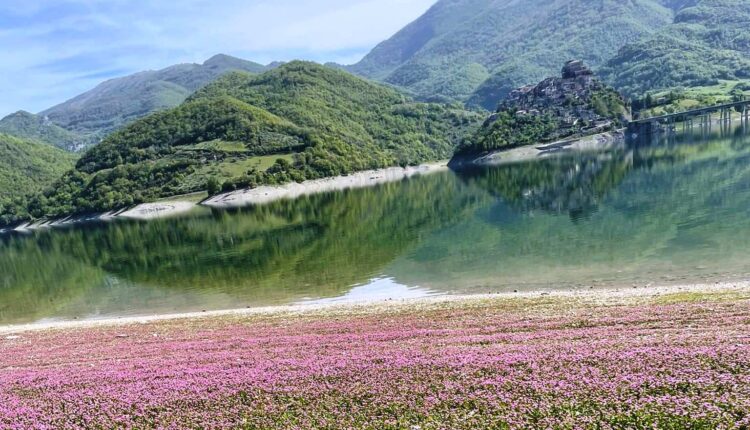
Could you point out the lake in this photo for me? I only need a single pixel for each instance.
(672, 211)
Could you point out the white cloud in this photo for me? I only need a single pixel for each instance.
(53, 50)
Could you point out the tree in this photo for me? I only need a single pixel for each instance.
(649, 102)
(213, 186)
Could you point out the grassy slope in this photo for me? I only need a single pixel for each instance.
(336, 123)
(682, 99)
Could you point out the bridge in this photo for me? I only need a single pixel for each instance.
(704, 116)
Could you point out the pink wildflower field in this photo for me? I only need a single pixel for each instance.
(481, 364)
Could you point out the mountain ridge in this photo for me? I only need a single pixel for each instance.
(118, 101)
(310, 120)
(26, 125)
(479, 50)
(87, 118)
(706, 42)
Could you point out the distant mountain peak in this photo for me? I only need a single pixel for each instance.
(218, 58)
(228, 62)
(18, 114)
(120, 101)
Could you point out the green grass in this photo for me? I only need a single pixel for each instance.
(235, 168)
(217, 146)
(229, 169)
(696, 97)
(700, 297)
(191, 197)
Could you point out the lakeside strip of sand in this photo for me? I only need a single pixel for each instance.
(593, 143)
(364, 179)
(245, 197)
(594, 297)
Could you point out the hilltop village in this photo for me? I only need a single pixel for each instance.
(579, 102)
(573, 105)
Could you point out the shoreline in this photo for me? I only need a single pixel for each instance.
(367, 178)
(613, 296)
(592, 143)
(674, 361)
(174, 206)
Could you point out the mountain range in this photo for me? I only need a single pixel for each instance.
(230, 123)
(26, 125)
(89, 117)
(707, 41)
(469, 51)
(299, 121)
(480, 50)
(477, 51)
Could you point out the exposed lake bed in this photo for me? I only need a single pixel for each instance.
(515, 358)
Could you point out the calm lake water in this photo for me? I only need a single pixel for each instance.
(666, 212)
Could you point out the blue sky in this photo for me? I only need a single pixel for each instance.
(55, 49)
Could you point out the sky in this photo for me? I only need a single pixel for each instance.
(52, 50)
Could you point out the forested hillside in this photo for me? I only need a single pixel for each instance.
(26, 167)
(480, 50)
(313, 120)
(708, 42)
(26, 125)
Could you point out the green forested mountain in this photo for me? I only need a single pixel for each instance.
(707, 42)
(479, 50)
(26, 125)
(27, 167)
(92, 115)
(315, 120)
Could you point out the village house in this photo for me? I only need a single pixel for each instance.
(567, 98)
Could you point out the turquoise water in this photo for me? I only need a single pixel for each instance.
(675, 211)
